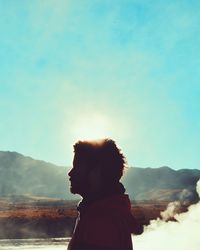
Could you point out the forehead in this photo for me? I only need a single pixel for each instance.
(82, 162)
(78, 160)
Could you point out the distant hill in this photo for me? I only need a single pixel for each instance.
(162, 183)
(21, 175)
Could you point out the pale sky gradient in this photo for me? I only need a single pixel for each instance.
(131, 66)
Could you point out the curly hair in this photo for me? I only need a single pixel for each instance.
(105, 154)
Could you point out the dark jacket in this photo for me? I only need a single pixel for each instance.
(105, 224)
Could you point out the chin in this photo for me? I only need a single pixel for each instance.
(74, 190)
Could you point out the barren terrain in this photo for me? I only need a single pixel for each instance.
(56, 218)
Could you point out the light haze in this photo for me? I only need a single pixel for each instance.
(126, 69)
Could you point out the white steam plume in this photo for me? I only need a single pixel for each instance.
(182, 234)
(171, 210)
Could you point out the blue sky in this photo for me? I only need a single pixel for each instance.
(124, 69)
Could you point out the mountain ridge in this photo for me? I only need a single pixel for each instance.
(23, 175)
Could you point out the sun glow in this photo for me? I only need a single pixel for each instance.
(94, 126)
(91, 127)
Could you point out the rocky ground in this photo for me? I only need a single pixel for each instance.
(51, 218)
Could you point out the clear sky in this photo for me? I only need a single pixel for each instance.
(126, 69)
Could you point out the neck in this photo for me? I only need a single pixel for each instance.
(103, 192)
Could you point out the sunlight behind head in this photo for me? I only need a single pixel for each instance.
(91, 127)
(94, 126)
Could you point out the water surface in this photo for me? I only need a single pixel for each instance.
(32, 244)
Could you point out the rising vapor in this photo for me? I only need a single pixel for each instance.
(182, 234)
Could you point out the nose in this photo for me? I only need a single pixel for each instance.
(70, 173)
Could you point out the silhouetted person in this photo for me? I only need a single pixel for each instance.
(105, 221)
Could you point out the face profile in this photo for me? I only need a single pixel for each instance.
(78, 177)
(94, 162)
